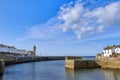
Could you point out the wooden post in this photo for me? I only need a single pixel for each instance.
(2, 65)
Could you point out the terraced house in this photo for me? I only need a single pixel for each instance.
(12, 53)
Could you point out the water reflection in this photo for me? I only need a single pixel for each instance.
(92, 74)
(112, 74)
(33, 71)
(25, 71)
(54, 70)
(0, 77)
(82, 74)
(69, 74)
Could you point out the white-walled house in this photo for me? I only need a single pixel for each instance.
(117, 49)
(110, 50)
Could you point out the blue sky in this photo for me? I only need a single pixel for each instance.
(60, 27)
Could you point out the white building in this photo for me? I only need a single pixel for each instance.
(110, 50)
(11, 49)
(117, 49)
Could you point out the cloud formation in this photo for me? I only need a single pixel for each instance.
(83, 21)
(108, 15)
(78, 19)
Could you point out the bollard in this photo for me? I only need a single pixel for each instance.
(2, 65)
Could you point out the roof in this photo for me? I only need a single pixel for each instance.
(2, 45)
(110, 47)
(118, 46)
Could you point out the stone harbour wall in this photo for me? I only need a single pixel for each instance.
(85, 64)
(2, 65)
(80, 64)
(69, 64)
(108, 62)
(113, 63)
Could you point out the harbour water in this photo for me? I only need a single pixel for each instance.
(54, 70)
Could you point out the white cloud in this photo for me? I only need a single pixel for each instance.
(83, 21)
(108, 15)
(78, 19)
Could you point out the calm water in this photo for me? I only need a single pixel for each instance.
(54, 70)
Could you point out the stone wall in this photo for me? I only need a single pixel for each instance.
(85, 64)
(73, 57)
(109, 62)
(70, 61)
(2, 65)
(80, 64)
(8, 56)
(69, 64)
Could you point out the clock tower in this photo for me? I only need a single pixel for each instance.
(34, 50)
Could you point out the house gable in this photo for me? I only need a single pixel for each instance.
(117, 50)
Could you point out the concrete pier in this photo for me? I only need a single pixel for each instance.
(2, 65)
(80, 63)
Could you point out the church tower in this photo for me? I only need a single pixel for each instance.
(34, 50)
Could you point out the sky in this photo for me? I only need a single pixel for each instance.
(60, 27)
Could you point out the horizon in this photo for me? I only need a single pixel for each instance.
(60, 28)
